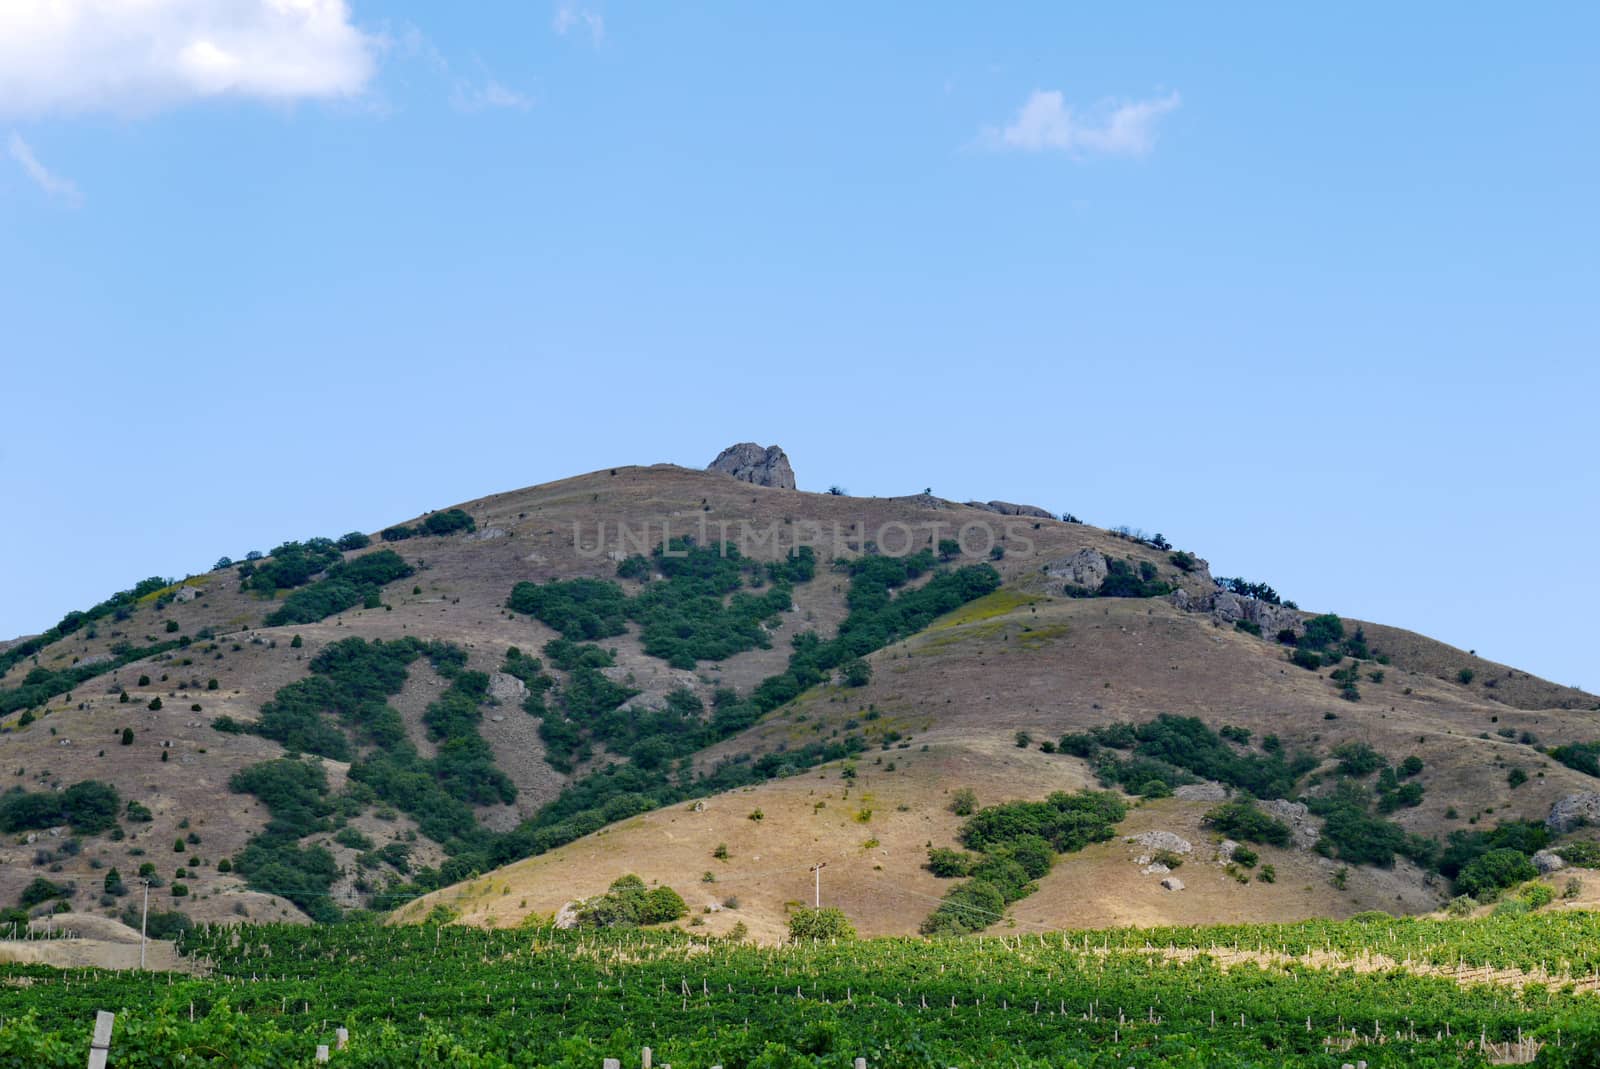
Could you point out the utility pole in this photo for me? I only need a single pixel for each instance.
(817, 869)
(144, 919)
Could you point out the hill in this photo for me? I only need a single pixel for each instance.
(553, 681)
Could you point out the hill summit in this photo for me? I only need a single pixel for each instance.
(714, 684)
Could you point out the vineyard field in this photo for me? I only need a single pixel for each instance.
(538, 997)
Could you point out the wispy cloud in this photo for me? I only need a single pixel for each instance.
(42, 176)
(492, 94)
(1045, 123)
(75, 56)
(569, 17)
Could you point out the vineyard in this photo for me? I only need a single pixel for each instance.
(1282, 995)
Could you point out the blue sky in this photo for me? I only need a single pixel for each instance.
(1310, 292)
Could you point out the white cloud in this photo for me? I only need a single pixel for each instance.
(138, 55)
(42, 176)
(1045, 123)
(569, 17)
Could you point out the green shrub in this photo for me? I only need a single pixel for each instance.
(949, 864)
(40, 890)
(1537, 895)
(1358, 759)
(1490, 873)
(817, 924)
(1583, 756)
(963, 802)
(1244, 820)
(627, 903)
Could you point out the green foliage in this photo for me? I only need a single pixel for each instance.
(41, 890)
(353, 540)
(1247, 589)
(347, 584)
(1243, 820)
(1015, 844)
(1322, 632)
(434, 524)
(876, 618)
(292, 564)
(1124, 579)
(963, 802)
(88, 806)
(580, 609)
(1351, 833)
(1358, 759)
(1582, 756)
(857, 672)
(1488, 874)
(827, 923)
(628, 903)
(1465, 676)
(950, 864)
(1583, 854)
(698, 613)
(447, 522)
(1175, 750)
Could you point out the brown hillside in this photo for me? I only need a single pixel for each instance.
(1025, 659)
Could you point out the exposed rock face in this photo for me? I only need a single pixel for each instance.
(1162, 840)
(750, 463)
(187, 594)
(1299, 819)
(507, 689)
(1172, 883)
(1574, 811)
(485, 534)
(1085, 568)
(1201, 792)
(1548, 861)
(1230, 608)
(1007, 508)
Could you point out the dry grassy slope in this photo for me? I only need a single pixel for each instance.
(963, 688)
(1017, 661)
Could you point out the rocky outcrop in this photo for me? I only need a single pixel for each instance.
(1163, 840)
(1548, 861)
(186, 594)
(1008, 508)
(750, 463)
(1085, 568)
(1172, 883)
(1230, 608)
(507, 689)
(1298, 817)
(1201, 792)
(1574, 811)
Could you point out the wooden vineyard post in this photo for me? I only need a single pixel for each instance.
(100, 1045)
